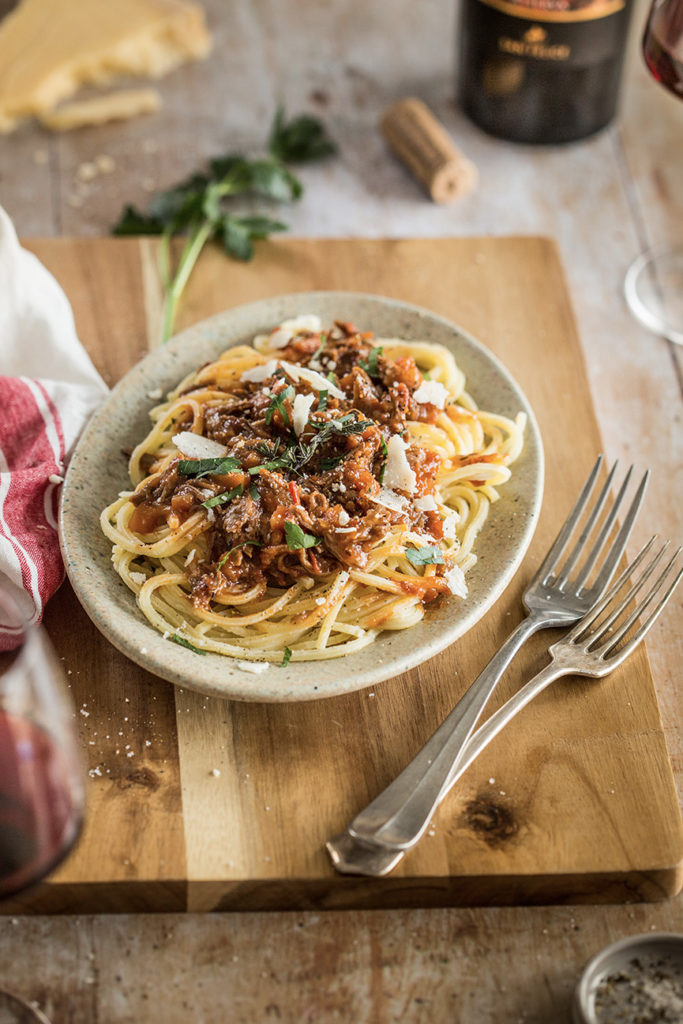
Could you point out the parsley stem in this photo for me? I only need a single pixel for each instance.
(194, 245)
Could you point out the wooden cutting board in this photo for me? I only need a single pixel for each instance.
(574, 802)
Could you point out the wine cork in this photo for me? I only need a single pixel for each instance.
(424, 145)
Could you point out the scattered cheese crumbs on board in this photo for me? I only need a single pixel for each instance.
(215, 772)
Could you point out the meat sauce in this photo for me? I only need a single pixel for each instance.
(331, 497)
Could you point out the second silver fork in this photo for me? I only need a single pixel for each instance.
(396, 819)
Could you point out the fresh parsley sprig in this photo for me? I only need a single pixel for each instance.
(200, 206)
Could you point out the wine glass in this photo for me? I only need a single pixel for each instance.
(42, 786)
(654, 282)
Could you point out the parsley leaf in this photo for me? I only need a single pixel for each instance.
(322, 400)
(285, 657)
(204, 467)
(185, 643)
(370, 366)
(297, 538)
(277, 403)
(221, 499)
(301, 139)
(428, 555)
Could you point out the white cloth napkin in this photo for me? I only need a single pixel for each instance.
(48, 390)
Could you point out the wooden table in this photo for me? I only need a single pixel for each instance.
(602, 200)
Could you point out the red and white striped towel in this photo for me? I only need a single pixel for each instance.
(48, 390)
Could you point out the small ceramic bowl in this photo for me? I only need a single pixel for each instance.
(659, 968)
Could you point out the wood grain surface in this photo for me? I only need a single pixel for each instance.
(575, 801)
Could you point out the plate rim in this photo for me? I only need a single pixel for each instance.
(239, 684)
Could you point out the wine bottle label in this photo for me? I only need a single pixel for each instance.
(557, 10)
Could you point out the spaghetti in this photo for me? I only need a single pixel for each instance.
(296, 497)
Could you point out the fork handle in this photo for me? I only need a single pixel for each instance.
(401, 813)
(379, 855)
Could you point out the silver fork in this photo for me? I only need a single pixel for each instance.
(601, 641)
(401, 813)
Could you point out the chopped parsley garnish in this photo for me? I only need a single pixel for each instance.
(244, 544)
(370, 366)
(185, 643)
(326, 464)
(385, 455)
(322, 400)
(277, 404)
(285, 657)
(203, 467)
(428, 555)
(297, 538)
(254, 492)
(296, 455)
(221, 499)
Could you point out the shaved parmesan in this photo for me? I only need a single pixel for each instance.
(347, 529)
(389, 499)
(316, 380)
(257, 667)
(455, 580)
(398, 475)
(261, 372)
(288, 329)
(194, 446)
(300, 410)
(425, 504)
(138, 578)
(344, 517)
(449, 525)
(432, 393)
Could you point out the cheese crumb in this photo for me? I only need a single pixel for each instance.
(344, 518)
(257, 667)
(455, 581)
(430, 392)
(138, 577)
(156, 393)
(55, 478)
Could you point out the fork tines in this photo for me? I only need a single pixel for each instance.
(559, 577)
(603, 635)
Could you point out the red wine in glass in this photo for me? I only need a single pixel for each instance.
(39, 818)
(41, 775)
(663, 44)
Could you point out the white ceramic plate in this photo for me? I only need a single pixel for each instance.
(98, 471)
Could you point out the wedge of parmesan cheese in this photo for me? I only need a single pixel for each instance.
(194, 446)
(49, 50)
(398, 475)
(115, 106)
